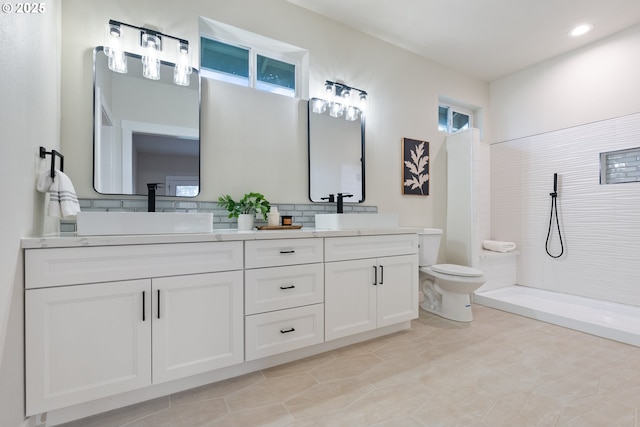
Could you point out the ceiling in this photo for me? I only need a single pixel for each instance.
(486, 39)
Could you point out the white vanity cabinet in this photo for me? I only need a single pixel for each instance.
(114, 321)
(88, 338)
(370, 282)
(284, 295)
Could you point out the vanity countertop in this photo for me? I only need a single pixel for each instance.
(71, 240)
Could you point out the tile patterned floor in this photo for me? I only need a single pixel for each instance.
(501, 370)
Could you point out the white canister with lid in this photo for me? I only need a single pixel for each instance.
(273, 217)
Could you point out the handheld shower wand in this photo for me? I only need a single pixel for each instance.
(554, 211)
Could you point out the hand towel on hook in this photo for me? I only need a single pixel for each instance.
(498, 246)
(63, 201)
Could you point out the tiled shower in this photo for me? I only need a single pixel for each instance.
(600, 224)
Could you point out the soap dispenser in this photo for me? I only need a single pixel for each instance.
(273, 218)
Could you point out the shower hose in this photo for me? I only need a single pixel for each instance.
(554, 211)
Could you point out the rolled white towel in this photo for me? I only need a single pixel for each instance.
(63, 201)
(498, 246)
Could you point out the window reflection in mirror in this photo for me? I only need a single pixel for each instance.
(145, 130)
(336, 157)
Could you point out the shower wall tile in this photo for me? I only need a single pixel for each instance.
(600, 223)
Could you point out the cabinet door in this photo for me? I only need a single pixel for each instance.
(197, 324)
(86, 342)
(397, 289)
(350, 298)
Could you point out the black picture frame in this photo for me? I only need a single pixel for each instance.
(415, 167)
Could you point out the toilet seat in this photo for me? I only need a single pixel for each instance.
(457, 270)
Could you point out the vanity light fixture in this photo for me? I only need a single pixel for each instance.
(151, 46)
(339, 104)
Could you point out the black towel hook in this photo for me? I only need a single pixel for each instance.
(53, 153)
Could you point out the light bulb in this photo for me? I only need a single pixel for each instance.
(183, 69)
(150, 60)
(318, 105)
(113, 49)
(328, 87)
(336, 110)
(352, 113)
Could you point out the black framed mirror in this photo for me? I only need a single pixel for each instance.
(145, 131)
(336, 156)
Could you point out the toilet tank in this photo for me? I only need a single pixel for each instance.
(429, 244)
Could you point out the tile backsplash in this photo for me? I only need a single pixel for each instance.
(302, 213)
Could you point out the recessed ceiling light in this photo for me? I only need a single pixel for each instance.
(580, 30)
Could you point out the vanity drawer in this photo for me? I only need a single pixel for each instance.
(276, 332)
(71, 266)
(361, 247)
(278, 252)
(277, 288)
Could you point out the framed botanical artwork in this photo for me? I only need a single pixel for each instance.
(415, 170)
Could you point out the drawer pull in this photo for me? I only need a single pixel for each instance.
(287, 287)
(286, 331)
(382, 274)
(288, 252)
(144, 311)
(158, 303)
(375, 275)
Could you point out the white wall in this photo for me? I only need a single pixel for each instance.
(29, 117)
(557, 117)
(403, 88)
(596, 82)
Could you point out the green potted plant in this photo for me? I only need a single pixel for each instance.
(245, 208)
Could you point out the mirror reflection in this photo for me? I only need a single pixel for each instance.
(336, 157)
(145, 131)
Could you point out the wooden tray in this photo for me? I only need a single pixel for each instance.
(279, 227)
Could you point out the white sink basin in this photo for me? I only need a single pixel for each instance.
(114, 223)
(356, 221)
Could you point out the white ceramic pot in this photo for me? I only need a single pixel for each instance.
(245, 222)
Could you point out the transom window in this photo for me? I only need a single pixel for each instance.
(453, 119)
(224, 62)
(237, 56)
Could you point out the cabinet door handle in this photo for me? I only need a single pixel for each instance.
(144, 310)
(381, 274)
(288, 252)
(375, 275)
(158, 303)
(287, 287)
(286, 331)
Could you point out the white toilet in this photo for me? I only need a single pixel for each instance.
(446, 287)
